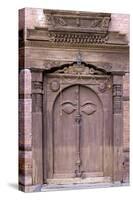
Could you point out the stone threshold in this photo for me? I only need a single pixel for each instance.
(61, 187)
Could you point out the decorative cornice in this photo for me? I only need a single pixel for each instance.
(75, 39)
(74, 29)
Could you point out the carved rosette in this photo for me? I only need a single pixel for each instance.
(55, 85)
(102, 87)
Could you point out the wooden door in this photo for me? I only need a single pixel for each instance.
(76, 147)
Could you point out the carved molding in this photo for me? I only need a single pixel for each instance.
(75, 38)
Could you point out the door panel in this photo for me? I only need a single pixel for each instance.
(64, 132)
(91, 142)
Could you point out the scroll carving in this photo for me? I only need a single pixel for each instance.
(79, 70)
(48, 64)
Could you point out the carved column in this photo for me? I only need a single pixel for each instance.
(25, 130)
(118, 127)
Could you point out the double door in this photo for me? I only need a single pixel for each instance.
(78, 134)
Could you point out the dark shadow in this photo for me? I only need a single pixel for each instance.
(13, 185)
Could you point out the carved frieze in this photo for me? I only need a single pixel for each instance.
(77, 21)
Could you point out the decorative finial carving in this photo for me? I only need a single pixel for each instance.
(79, 58)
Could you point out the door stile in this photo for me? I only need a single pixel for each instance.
(44, 137)
(78, 131)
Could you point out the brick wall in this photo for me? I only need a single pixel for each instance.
(120, 22)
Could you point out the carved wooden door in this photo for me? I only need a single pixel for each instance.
(78, 142)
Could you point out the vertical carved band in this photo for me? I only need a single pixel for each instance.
(117, 98)
(37, 91)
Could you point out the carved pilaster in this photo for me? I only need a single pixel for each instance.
(37, 106)
(117, 98)
(118, 127)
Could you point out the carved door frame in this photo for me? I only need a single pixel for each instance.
(117, 121)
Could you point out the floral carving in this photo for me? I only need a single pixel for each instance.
(60, 21)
